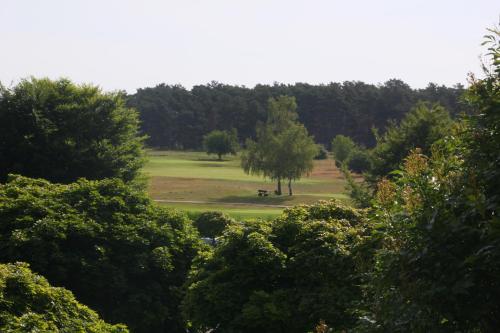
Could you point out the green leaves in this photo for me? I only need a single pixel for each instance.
(61, 132)
(342, 147)
(221, 142)
(420, 128)
(106, 242)
(29, 304)
(283, 276)
(212, 224)
(283, 149)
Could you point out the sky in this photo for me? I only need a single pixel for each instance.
(130, 44)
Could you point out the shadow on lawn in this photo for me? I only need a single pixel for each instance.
(208, 159)
(269, 200)
(211, 165)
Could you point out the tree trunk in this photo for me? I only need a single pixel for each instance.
(290, 187)
(220, 157)
(278, 190)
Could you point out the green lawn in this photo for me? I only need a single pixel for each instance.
(195, 182)
(236, 212)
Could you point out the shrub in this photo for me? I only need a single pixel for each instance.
(342, 146)
(212, 224)
(420, 128)
(322, 153)
(104, 241)
(29, 304)
(281, 276)
(359, 161)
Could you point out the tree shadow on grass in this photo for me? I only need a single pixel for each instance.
(210, 165)
(208, 159)
(271, 199)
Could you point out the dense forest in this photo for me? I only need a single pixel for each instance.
(177, 118)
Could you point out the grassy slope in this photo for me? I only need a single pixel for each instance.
(223, 186)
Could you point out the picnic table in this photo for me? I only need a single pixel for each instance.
(262, 193)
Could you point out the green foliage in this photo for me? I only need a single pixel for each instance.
(281, 112)
(322, 154)
(420, 128)
(104, 241)
(61, 131)
(438, 267)
(283, 149)
(427, 258)
(281, 276)
(212, 224)
(359, 160)
(431, 273)
(221, 143)
(342, 147)
(360, 193)
(28, 303)
(177, 118)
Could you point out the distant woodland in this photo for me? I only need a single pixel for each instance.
(174, 117)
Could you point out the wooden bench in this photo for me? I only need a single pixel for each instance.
(262, 193)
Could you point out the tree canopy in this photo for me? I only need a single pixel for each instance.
(282, 276)
(177, 118)
(420, 128)
(212, 224)
(438, 265)
(104, 241)
(28, 303)
(221, 143)
(61, 131)
(342, 147)
(283, 149)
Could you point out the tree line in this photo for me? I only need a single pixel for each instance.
(174, 117)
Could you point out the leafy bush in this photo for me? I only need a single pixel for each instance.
(212, 224)
(360, 193)
(359, 160)
(438, 268)
(436, 221)
(342, 146)
(322, 153)
(104, 241)
(420, 128)
(29, 304)
(440, 259)
(280, 276)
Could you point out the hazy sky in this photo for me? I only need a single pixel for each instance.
(128, 44)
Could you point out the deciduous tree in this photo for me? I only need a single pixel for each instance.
(342, 147)
(438, 267)
(61, 131)
(212, 224)
(221, 143)
(282, 276)
(283, 149)
(106, 242)
(420, 128)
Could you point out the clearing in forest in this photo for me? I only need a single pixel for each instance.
(195, 182)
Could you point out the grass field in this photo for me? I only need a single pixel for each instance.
(195, 182)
